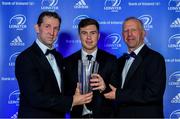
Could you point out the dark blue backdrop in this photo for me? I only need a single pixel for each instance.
(161, 20)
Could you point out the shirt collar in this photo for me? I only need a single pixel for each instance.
(42, 46)
(138, 49)
(84, 54)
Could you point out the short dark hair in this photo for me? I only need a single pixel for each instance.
(86, 22)
(49, 14)
(134, 18)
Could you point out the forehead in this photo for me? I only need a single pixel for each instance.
(50, 20)
(89, 28)
(132, 23)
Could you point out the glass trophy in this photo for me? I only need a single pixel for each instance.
(85, 69)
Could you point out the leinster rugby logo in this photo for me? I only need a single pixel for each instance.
(147, 20)
(112, 5)
(49, 4)
(112, 41)
(175, 114)
(174, 42)
(78, 19)
(14, 97)
(17, 22)
(174, 79)
(174, 5)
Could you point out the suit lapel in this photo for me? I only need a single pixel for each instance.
(99, 59)
(133, 67)
(76, 58)
(135, 64)
(43, 62)
(78, 55)
(41, 57)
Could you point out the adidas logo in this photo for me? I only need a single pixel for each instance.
(176, 99)
(81, 4)
(17, 42)
(175, 23)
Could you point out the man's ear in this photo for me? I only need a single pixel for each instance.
(144, 33)
(36, 27)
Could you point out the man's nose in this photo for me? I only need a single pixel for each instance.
(51, 31)
(89, 35)
(129, 32)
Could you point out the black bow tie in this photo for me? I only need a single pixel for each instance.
(127, 56)
(53, 51)
(89, 57)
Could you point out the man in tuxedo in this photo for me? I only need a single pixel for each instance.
(38, 70)
(89, 35)
(139, 82)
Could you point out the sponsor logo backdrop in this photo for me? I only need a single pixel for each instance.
(161, 21)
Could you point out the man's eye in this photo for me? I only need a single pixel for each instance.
(125, 31)
(93, 32)
(83, 33)
(133, 29)
(47, 26)
(57, 29)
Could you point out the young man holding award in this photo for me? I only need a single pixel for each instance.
(99, 106)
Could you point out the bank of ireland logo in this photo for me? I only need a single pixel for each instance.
(176, 99)
(14, 97)
(174, 79)
(174, 42)
(49, 4)
(174, 5)
(12, 58)
(18, 22)
(175, 115)
(17, 41)
(81, 4)
(112, 41)
(175, 23)
(112, 5)
(147, 20)
(77, 20)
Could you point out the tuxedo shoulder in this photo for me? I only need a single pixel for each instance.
(155, 54)
(107, 54)
(26, 52)
(73, 56)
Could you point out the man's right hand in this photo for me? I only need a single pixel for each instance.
(112, 94)
(80, 99)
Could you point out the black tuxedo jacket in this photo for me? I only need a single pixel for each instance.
(142, 94)
(99, 105)
(39, 92)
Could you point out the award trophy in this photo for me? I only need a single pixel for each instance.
(85, 69)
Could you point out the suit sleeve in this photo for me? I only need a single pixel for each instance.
(31, 85)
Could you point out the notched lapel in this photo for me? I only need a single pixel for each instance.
(133, 68)
(43, 62)
(101, 59)
(41, 58)
(136, 63)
